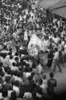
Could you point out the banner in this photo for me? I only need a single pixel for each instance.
(35, 41)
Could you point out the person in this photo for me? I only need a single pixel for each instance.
(39, 67)
(55, 62)
(5, 94)
(51, 84)
(44, 85)
(13, 95)
(50, 57)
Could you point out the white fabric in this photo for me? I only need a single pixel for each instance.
(35, 41)
(27, 95)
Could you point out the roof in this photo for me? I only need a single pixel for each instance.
(59, 8)
(56, 6)
(47, 3)
(61, 12)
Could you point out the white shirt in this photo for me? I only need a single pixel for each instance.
(7, 74)
(24, 16)
(20, 17)
(27, 95)
(26, 11)
(44, 85)
(14, 68)
(63, 43)
(9, 93)
(60, 47)
(54, 20)
(59, 23)
(56, 55)
(30, 63)
(15, 35)
(15, 21)
(56, 40)
(27, 74)
(18, 79)
(46, 42)
(31, 13)
(25, 35)
(38, 95)
(16, 89)
(19, 5)
(1, 96)
(5, 62)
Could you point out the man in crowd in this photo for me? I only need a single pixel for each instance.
(52, 83)
(56, 62)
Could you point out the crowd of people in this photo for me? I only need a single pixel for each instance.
(22, 76)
